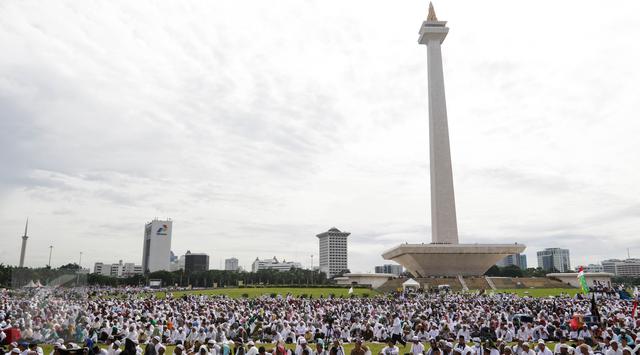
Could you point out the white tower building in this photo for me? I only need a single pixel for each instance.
(23, 249)
(444, 227)
(333, 251)
(156, 250)
(444, 256)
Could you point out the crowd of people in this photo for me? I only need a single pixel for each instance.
(107, 322)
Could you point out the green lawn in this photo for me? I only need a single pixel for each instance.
(540, 292)
(256, 292)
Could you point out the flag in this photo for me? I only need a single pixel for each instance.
(635, 309)
(351, 290)
(583, 281)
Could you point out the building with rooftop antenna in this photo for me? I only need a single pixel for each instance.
(444, 256)
(333, 251)
(23, 249)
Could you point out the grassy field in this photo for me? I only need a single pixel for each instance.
(540, 292)
(256, 292)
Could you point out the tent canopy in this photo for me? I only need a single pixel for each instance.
(411, 284)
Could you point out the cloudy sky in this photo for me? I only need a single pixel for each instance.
(255, 125)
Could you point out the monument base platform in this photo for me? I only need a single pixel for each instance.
(424, 260)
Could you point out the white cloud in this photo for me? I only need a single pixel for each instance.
(256, 125)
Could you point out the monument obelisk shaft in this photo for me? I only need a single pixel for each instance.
(444, 228)
(23, 249)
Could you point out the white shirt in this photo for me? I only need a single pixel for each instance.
(397, 326)
(417, 348)
(390, 350)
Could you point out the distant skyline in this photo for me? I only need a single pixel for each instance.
(256, 127)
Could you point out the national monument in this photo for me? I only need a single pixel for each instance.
(444, 256)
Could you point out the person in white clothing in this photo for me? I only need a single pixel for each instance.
(526, 350)
(416, 346)
(542, 348)
(253, 350)
(114, 349)
(178, 350)
(614, 349)
(390, 349)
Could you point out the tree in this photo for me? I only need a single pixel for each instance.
(511, 271)
(537, 272)
(70, 266)
(493, 271)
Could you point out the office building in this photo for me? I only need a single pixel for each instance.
(156, 249)
(231, 264)
(627, 267)
(195, 262)
(389, 269)
(119, 269)
(554, 259)
(333, 251)
(591, 268)
(274, 264)
(519, 260)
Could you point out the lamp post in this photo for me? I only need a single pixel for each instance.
(50, 251)
(78, 271)
(312, 269)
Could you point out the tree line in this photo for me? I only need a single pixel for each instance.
(14, 276)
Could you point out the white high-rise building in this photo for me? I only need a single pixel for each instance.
(274, 264)
(333, 251)
(628, 267)
(156, 250)
(231, 264)
(117, 270)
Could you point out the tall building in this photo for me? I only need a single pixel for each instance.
(231, 264)
(389, 269)
(119, 269)
(23, 249)
(156, 250)
(274, 264)
(333, 251)
(445, 256)
(628, 267)
(554, 259)
(195, 262)
(519, 260)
